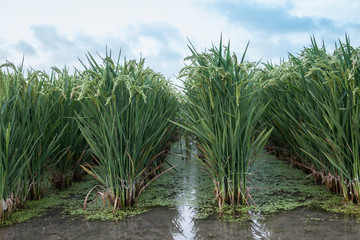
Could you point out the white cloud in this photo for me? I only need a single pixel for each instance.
(346, 11)
(342, 12)
(147, 46)
(273, 3)
(104, 21)
(158, 29)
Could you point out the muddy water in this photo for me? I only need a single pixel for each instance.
(180, 220)
(163, 223)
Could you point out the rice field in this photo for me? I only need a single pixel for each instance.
(115, 120)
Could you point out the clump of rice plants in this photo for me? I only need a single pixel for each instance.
(222, 113)
(29, 99)
(64, 94)
(126, 121)
(315, 113)
(14, 150)
(27, 139)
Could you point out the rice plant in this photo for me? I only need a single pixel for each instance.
(14, 155)
(125, 120)
(64, 93)
(28, 98)
(222, 113)
(315, 112)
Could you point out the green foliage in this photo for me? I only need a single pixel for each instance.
(14, 149)
(26, 136)
(64, 94)
(36, 133)
(125, 120)
(222, 112)
(315, 113)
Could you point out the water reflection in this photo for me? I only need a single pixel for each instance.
(180, 223)
(186, 199)
(258, 226)
(185, 226)
(184, 223)
(151, 225)
(163, 223)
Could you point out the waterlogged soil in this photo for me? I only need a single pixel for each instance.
(180, 205)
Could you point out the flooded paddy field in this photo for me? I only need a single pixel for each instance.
(180, 205)
(164, 223)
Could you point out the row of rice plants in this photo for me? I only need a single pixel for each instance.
(222, 112)
(15, 153)
(27, 137)
(125, 120)
(315, 113)
(48, 121)
(40, 139)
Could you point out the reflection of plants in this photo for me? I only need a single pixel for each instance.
(125, 120)
(222, 113)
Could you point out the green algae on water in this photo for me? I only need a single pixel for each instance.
(276, 186)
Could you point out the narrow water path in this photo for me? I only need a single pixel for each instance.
(182, 201)
(192, 196)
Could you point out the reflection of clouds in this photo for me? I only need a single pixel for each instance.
(258, 227)
(184, 220)
(176, 227)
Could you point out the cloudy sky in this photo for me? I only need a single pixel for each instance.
(57, 33)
